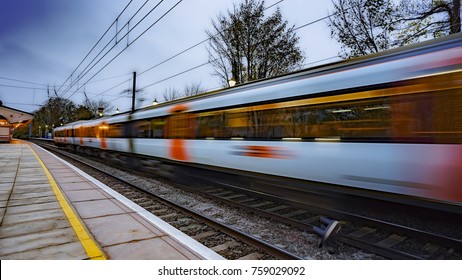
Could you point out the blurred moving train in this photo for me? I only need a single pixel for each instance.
(389, 122)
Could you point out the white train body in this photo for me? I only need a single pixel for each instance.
(423, 163)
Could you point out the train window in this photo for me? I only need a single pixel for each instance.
(428, 117)
(265, 124)
(82, 131)
(444, 118)
(142, 129)
(93, 132)
(150, 128)
(60, 133)
(237, 124)
(158, 127)
(87, 131)
(114, 130)
(180, 125)
(426, 110)
(211, 125)
(357, 119)
(102, 130)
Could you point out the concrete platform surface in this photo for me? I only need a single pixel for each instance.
(52, 210)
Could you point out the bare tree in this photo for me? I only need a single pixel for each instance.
(246, 45)
(369, 26)
(193, 89)
(170, 94)
(95, 106)
(362, 26)
(427, 18)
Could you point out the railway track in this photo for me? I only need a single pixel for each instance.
(387, 239)
(227, 241)
(335, 227)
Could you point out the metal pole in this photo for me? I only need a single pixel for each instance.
(133, 92)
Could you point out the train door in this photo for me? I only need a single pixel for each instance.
(102, 134)
(80, 132)
(180, 128)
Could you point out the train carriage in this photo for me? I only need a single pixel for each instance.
(389, 123)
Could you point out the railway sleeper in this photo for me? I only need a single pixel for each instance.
(362, 232)
(234, 196)
(205, 234)
(252, 256)
(191, 227)
(294, 214)
(225, 246)
(391, 241)
(168, 216)
(432, 251)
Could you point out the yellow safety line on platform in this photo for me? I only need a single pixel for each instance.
(93, 251)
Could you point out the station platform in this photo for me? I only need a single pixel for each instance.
(49, 209)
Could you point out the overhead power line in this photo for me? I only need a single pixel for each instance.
(117, 41)
(196, 45)
(24, 87)
(22, 81)
(94, 46)
(178, 54)
(208, 62)
(134, 40)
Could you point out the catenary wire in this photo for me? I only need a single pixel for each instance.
(83, 73)
(168, 11)
(99, 40)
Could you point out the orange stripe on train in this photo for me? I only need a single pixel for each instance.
(263, 152)
(178, 150)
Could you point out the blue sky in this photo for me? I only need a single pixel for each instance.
(43, 41)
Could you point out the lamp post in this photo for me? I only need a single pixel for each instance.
(133, 91)
(232, 82)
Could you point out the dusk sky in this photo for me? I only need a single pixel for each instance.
(43, 41)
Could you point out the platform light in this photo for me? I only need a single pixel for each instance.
(328, 139)
(232, 82)
(117, 111)
(377, 108)
(292, 139)
(154, 103)
(341, 111)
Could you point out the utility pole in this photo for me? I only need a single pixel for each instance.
(133, 92)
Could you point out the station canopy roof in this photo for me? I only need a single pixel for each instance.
(15, 116)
